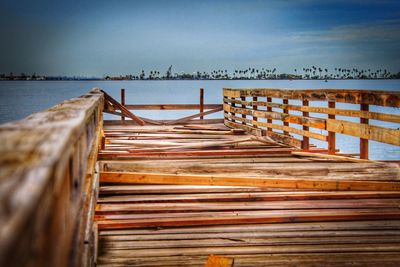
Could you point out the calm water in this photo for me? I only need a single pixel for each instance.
(19, 99)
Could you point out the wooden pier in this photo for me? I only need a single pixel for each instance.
(250, 188)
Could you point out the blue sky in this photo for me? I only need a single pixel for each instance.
(100, 37)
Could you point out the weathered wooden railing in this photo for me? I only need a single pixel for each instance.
(276, 106)
(124, 111)
(48, 184)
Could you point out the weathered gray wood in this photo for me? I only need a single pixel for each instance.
(43, 164)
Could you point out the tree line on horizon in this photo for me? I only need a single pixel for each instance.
(313, 72)
(308, 73)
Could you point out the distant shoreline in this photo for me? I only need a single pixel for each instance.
(119, 80)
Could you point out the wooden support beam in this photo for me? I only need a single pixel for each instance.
(188, 118)
(170, 106)
(122, 101)
(150, 121)
(243, 106)
(320, 184)
(285, 111)
(363, 141)
(269, 109)
(331, 134)
(306, 140)
(124, 111)
(232, 113)
(255, 107)
(201, 102)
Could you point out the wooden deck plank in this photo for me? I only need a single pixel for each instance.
(256, 202)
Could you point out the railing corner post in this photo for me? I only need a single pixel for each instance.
(331, 135)
(364, 142)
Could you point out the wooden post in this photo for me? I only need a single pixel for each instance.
(269, 109)
(255, 107)
(243, 106)
(232, 113)
(122, 101)
(285, 111)
(306, 140)
(201, 102)
(364, 142)
(331, 135)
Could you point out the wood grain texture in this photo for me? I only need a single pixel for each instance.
(371, 132)
(44, 160)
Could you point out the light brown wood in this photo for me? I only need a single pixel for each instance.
(188, 118)
(306, 140)
(122, 101)
(124, 110)
(308, 121)
(331, 111)
(334, 157)
(371, 132)
(151, 178)
(364, 142)
(171, 106)
(331, 134)
(201, 110)
(380, 98)
(218, 261)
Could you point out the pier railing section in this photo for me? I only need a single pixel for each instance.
(48, 184)
(127, 111)
(296, 116)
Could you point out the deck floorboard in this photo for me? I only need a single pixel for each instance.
(150, 224)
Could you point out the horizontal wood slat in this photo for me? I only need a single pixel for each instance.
(151, 178)
(311, 122)
(235, 97)
(379, 98)
(332, 111)
(253, 201)
(371, 132)
(172, 106)
(280, 127)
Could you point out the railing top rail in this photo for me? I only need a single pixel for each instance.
(351, 96)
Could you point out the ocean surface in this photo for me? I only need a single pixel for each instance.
(19, 99)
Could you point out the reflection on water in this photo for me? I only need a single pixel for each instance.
(19, 99)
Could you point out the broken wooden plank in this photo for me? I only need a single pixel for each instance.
(188, 118)
(123, 109)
